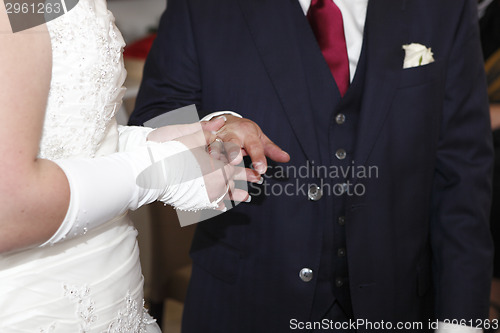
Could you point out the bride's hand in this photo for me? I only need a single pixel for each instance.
(218, 173)
(167, 133)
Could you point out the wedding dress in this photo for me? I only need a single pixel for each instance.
(91, 283)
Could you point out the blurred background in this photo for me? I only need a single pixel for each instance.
(136, 17)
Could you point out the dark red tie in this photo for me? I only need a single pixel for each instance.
(326, 22)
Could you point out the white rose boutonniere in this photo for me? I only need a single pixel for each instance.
(417, 55)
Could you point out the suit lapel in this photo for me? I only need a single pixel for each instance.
(276, 41)
(384, 35)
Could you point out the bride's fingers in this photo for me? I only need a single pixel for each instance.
(234, 193)
(222, 206)
(252, 176)
(210, 136)
(240, 195)
(231, 188)
(242, 173)
(213, 125)
(167, 133)
(216, 150)
(233, 152)
(225, 151)
(246, 174)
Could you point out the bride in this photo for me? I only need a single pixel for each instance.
(68, 253)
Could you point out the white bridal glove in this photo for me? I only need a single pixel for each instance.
(105, 187)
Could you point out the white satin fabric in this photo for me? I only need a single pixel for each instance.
(93, 283)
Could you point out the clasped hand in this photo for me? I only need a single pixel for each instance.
(219, 146)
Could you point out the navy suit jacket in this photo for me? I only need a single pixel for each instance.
(418, 242)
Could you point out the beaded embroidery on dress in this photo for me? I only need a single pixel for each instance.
(92, 283)
(86, 87)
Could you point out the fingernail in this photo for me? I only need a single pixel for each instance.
(259, 167)
(249, 199)
(224, 210)
(261, 180)
(223, 117)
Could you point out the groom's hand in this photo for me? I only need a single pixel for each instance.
(246, 135)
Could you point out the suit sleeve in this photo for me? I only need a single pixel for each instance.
(171, 77)
(460, 236)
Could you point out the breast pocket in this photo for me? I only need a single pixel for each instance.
(416, 76)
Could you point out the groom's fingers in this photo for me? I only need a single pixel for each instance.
(248, 138)
(254, 148)
(233, 151)
(273, 151)
(243, 133)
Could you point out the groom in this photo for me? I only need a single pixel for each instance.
(381, 216)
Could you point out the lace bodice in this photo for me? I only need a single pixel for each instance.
(87, 78)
